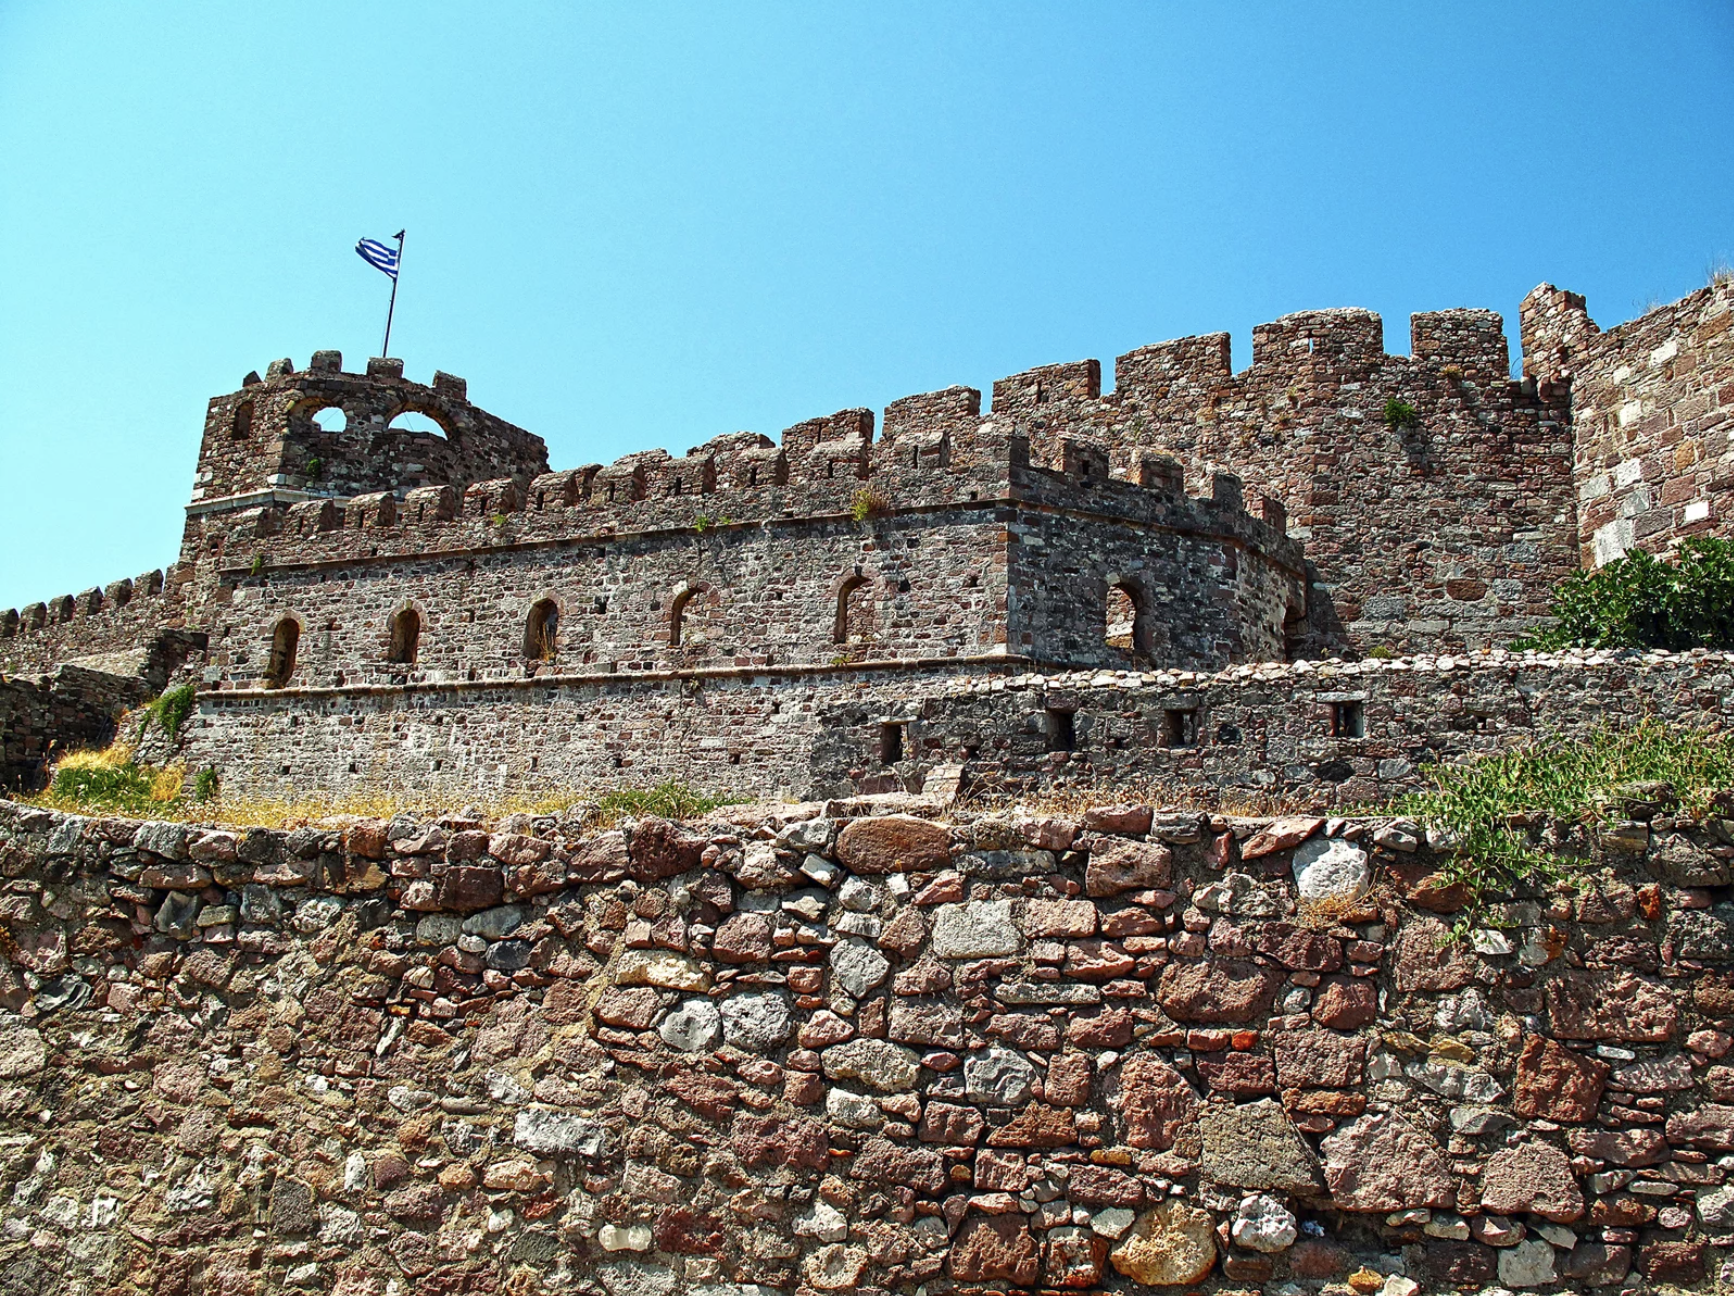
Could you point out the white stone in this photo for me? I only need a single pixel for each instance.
(858, 967)
(853, 1111)
(627, 1237)
(824, 1223)
(884, 1066)
(979, 929)
(551, 1133)
(1264, 1223)
(1697, 511)
(1484, 940)
(756, 1022)
(1528, 1264)
(1113, 1222)
(1716, 1206)
(999, 1077)
(692, 1026)
(1329, 868)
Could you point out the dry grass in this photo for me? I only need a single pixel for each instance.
(1071, 802)
(112, 781)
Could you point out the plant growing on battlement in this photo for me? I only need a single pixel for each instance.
(868, 502)
(171, 709)
(258, 566)
(1495, 810)
(497, 520)
(1381, 652)
(1641, 601)
(1720, 271)
(701, 523)
(1451, 371)
(315, 467)
(1400, 416)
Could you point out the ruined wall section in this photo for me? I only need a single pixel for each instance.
(807, 1049)
(122, 617)
(1652, 406)
(45, 716)
(265, 435)
(1443, 534)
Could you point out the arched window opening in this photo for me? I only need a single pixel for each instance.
(542, 631)
(242, 427)
(1124, 626)
(331, 419)
(753, 475)
(405, 636)
(285, 639)
(854, 610)
(680, 631)
(1294, 632)
(416, 421)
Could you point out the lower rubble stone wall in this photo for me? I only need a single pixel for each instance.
(840, 1046)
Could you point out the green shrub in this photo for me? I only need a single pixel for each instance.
(205, 784)
(1643, 602)
(1488, 805)
(1400, 416)
(868, 503)
(668, 800)
(171, 709)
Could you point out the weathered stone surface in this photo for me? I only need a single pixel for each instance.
(1534, 1177)
(1556, 1083)
(876, 1063)
(1156, 1102)
(1264, 1223)
(743, 938)
(22, 1051)
(1383, 1163)
(1000, 1248)
(780, 1141)
(884, 1162)
(1118, 865)
(931, 1023)
(1255, 1146)
(858, 967)
(692, 1026)
(1425, 958)
(1217, 990)
(756, 1022)
(1610, 1005)
(999, 1077)
(1319, 1060)
(1329, 868)
(1169, 1246)
(551, 1133)
(1710, 1126)
(1282, 834)
(980, 929)
(1344, 1004)
(661, 849)
(893, 844)
(1528, 1264)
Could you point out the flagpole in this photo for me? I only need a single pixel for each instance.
(389, 310)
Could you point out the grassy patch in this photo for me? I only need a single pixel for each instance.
(868, 502)
(1493, 806)
(667, 800)
(112, 782)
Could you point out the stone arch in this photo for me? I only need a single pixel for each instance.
(285, 645)
(405, 635)
(542, 630)
(856, 616)
(420, 420)
(677, 618)
(1126, 622)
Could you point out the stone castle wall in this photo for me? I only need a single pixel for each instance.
(810, 1050)
(121, 617)
(1652, 413)
(1328, 735)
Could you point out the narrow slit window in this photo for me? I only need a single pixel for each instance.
(1180, 727)
(890, 742)
(1061, 729)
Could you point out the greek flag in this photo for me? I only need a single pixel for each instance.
(378, 255)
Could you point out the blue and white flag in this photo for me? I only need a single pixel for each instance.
(378, 255)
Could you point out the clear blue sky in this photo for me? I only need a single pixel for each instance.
(646, 224)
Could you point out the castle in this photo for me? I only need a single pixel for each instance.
(363, 605)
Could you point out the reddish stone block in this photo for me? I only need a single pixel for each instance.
(1556, 1083)
(997, 1248)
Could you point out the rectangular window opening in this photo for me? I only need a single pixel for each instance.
(1180, 727)
(1348, 720)
(1061, 729)
(890, 742)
